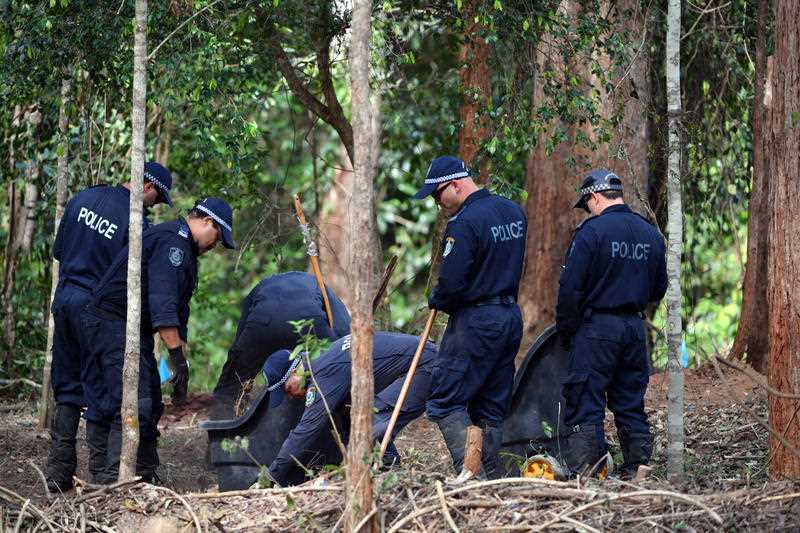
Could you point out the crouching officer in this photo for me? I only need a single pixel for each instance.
(169, 276)
(391, 353)
(93, 230)
(482, 255)
(614, 268)
(264, 327)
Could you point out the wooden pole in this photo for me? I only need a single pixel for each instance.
(384, 282)
(473, 449)
(312, 256)
(407, 383)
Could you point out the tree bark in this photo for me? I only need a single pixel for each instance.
(130, 372)
(46, 402)
(675, 471)
(751, 334)
(551, 182)
(782, 149)
(362, 261)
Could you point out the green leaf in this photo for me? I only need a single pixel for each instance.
(458, 5)
(498, 6)
(64, 3)
(525, 25)
(52, 3)
(547, 429)
(290, 503)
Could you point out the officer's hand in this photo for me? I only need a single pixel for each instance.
(180, 378)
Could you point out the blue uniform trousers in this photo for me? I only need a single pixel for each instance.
(474, 368)
(608, 363)
(105, 338)
(68, 348)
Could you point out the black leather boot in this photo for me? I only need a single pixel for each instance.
(583, 450)
(147, 460)
(637, 448)
(454, 430)
(63, 460)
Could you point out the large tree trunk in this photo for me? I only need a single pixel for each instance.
(551, 182)
(751, 335)
(130, 372)
(46, 402)
(362, 271)
(783, 280)
(674, 247)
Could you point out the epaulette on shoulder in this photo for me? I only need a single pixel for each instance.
(183, 231)
(584, 221)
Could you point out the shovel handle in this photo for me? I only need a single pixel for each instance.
(301, 217)
(407, 383)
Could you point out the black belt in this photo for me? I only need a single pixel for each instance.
(104, 313)
(495, 300)
(79, 285)
(614, 312)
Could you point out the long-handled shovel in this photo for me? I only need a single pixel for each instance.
(311, 250)
(407, 383)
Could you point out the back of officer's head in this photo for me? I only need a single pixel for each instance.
(211, 222)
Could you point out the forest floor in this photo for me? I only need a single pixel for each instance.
(727, 486)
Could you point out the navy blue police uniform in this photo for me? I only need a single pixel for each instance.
(614, 269)
(93, 229)
(482, 258)
(264, 328)
(392, 354)
(168, 280)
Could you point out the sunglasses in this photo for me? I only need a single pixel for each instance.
(438, 192)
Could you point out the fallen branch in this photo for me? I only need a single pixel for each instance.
(105, 489)
(4, 383)
(11, 496)
(431, 508)
(640, 494)
(758, 379)
(445, 510)
(41, 476)
(558, 487)
(181, 499)
(259, 492)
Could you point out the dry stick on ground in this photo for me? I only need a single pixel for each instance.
(11, 496)
(425, 510)
(180, 498)
(758, 379)
(41, 476)
(259, 492)
(640, 494)
(556, 485)
(105, 489)
(25, 381)
(21, 515)
(445, 510)
(788, 445)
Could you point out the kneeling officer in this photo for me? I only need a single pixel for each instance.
(169, 276)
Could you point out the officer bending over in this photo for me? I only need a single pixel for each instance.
(169, 276)
(391, 353)
(482, 256)
(93, 230)
(614, 268)
(264, 328)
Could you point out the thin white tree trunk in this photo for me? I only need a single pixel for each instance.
(130, 373)
(674, 248)
(361, 215)
(46, 401)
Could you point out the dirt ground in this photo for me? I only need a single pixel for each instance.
(727, 450)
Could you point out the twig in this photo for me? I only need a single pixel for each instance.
(21, 515)
(41, 476)
(101, 527)
(25, 381)
(105, 489)
(445, 510)
(185, 503)
(557, 485)
(181, 25)
(260, 492)
(581, 525)
(10, 495)
(365, 520)
(640, 494)
(431, 508)
(758, 378)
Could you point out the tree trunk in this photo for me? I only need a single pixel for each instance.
(46, 402)
(751, 335)
(551, 182)
(130, 372)
(362, 262)
(674, 247)
(782, 150)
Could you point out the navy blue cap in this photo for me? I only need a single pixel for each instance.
(596, 181)
(161, 178)
(277, 369)
(221, 212)
(443, 169)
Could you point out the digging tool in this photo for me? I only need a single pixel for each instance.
(384, 282)
(311, 250)
(407, 383)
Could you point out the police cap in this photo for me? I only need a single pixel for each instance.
(277, 369)
(221, 212)
(161, 178)
(597, 181)
(443, 169)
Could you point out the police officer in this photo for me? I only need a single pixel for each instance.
(614, 268)
(391, 353)
(264, 327)
(482, 255)
(93, 230)
(169, 276)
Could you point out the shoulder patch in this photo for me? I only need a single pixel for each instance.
(175, 256)
(448, 246)
(311, 395)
